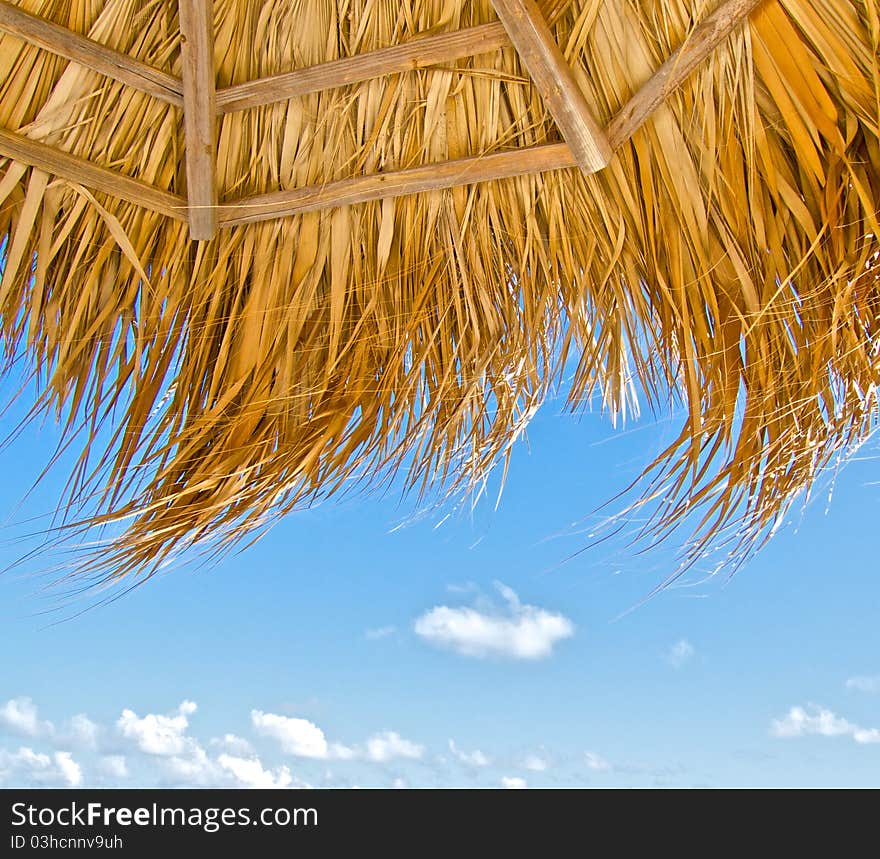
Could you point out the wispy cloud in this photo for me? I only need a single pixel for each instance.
(535, 763)
(465, 588)
(472, 759)
(514, 631)
(81, 731)
(640, 770)
(233, 744)
(864, 684)
(513, 782)
(596, 763)
(380, 632)
(113, 766)
(680, 653)
(821, 722)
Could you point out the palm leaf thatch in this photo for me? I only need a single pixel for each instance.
(251, 283)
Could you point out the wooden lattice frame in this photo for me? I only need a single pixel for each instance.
(521, 25)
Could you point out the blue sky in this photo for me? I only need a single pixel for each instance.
(361, 643)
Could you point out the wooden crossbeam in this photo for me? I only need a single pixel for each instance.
(500, 165)
(555, 81)
(74, 169)
(705, 38)
(87, 52)
(418, 53)
(199, 115)
(421, 52)
(376, 186)
(464, 171)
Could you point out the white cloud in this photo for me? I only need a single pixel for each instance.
(472, 759)
(297, 736)
(24, 758)
(184, 762)
(821, 722)
(381, 632)
(799, 723)
(518, 631)
(233, 744)
(27, 767)
(866, 735)
(158, 749)
(19, 716)
(305, 739)
(249, 772)
(82, 731)
(197, 769)
(70, 769)
(680, 653)
(389, 745)
(597, 763)
(340, 752)
(864, 684)
(114, 766)
(534, 763)
(157, 734)
(466, 588)
(177, 759)
(513, 782)
(192, 767)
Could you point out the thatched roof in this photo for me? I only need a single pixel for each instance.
(315, 242)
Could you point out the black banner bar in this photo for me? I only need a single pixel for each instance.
(450, 823)
(255, 822)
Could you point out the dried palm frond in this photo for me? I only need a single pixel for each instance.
(727, 254)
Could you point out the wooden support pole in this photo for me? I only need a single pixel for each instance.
(89, 53)
(74, 169)
(555, 81)
(199, 115)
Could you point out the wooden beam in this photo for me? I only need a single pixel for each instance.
(199, 115)
(418, 53)
(376, 186)
(89, 53)
(555, 81)
(500, 165)
(464, 171)
(707, 36)
(74, 169)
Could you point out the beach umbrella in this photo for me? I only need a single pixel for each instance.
(256, 253)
